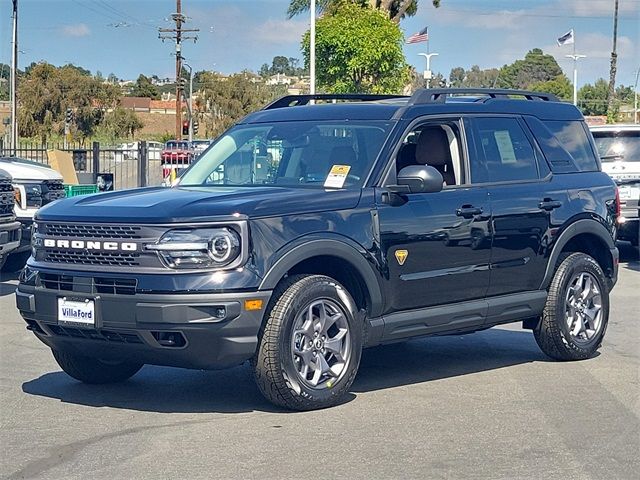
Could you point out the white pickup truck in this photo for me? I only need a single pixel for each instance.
(34, 185)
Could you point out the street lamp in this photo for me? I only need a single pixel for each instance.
(575, 57)
(427, 72)
(190, 101)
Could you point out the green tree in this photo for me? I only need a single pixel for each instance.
(475, 77)
(225, 100)
(358, 50)
(47, 91)
(395, 10)
(534, 68)
(144, 88)
(560, 86)
(592, 99)
(120, 123)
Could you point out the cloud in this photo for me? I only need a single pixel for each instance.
(280, 32)
(593, 8)
(76, 30)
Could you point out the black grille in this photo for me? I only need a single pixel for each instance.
(119, 286)
(7, 198)
(56, 282)
(93, 258)
(91, 231)
(90, 334)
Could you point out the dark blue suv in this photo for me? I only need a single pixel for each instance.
(324, 224)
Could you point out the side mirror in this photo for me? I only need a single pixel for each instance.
(419, 179)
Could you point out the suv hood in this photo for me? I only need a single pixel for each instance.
(196, 204)
(22, 172)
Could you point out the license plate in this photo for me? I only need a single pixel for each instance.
(628, 192)
(77, 312)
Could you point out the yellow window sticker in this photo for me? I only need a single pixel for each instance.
(337, 176)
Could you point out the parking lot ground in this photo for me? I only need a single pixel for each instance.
(485, 405)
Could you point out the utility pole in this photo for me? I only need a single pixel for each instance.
(176, 34)
(612, 71)
(635, 97)
(14, 71)
(312, 48)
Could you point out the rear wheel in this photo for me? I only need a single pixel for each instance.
(575, 317)
(93, 370)
(311, 345)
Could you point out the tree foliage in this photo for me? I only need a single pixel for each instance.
(227, 99)
(560, 86)
(358, 50)
(534, 68)
(120, 123)
(284, 66)
(474, 77)
(395, 10)
(45, 93)
(144, 88)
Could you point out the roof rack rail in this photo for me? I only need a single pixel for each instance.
(299, 100)
(439, 95)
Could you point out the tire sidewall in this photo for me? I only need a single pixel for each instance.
(323, 289)
(580, 264)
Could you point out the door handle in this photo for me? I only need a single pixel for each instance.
(549, 204)
(468, 211)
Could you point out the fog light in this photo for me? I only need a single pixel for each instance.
(255, 304)
(219, 312)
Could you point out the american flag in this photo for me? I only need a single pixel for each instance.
(421, 36)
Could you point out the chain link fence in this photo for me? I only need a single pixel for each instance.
(132, 165)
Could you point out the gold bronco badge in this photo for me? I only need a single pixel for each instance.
(401, 256)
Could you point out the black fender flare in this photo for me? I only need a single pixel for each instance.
(578, 227)
(304, 248)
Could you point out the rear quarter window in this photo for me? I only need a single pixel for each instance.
(572, 135)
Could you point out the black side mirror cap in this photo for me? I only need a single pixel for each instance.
(418, 179)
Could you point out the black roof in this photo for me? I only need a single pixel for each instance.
(423, 102)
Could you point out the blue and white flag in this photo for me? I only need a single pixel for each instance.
(566, 39)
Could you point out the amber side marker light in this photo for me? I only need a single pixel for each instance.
(253, 304)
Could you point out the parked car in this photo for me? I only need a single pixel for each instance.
(9, 227)
(35, 185)
(339, 247)
(619, 150)
(199, 146)
(177, 155)
(129, 151)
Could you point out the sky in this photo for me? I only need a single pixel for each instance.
(121, 36)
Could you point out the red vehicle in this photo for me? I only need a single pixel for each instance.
(176, 155)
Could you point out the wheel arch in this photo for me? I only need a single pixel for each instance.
(333, 257)
(587, 236)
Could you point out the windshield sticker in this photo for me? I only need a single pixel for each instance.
(337, 176)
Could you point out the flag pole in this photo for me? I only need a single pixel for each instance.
(575, 58)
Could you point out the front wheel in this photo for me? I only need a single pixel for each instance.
(577, 310)
(93, 370)
(310, 348)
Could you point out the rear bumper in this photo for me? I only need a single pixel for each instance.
(181, 330)
(10, 234)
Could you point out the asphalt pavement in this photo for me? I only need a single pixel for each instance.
(488, 405)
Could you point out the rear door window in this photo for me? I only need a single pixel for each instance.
(572, 135)
(508, 153)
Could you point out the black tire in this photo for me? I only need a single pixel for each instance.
(552, 333)
(14, 262)
(273, 364)
(93, 370)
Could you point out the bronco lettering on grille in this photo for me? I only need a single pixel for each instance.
(91, 245)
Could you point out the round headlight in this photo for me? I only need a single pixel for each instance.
(223, 246)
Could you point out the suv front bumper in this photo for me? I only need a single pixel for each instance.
(180, 330)
(9, 237)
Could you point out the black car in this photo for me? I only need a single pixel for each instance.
(9, 228)
(323, 224)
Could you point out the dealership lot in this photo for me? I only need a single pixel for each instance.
(486, 405)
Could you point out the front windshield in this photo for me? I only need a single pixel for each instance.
(336, 154)
(614, 146)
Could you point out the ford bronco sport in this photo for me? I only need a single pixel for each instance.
(313, 229)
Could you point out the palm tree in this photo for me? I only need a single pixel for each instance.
(396, 9)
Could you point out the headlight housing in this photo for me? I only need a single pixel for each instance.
(198, 248)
